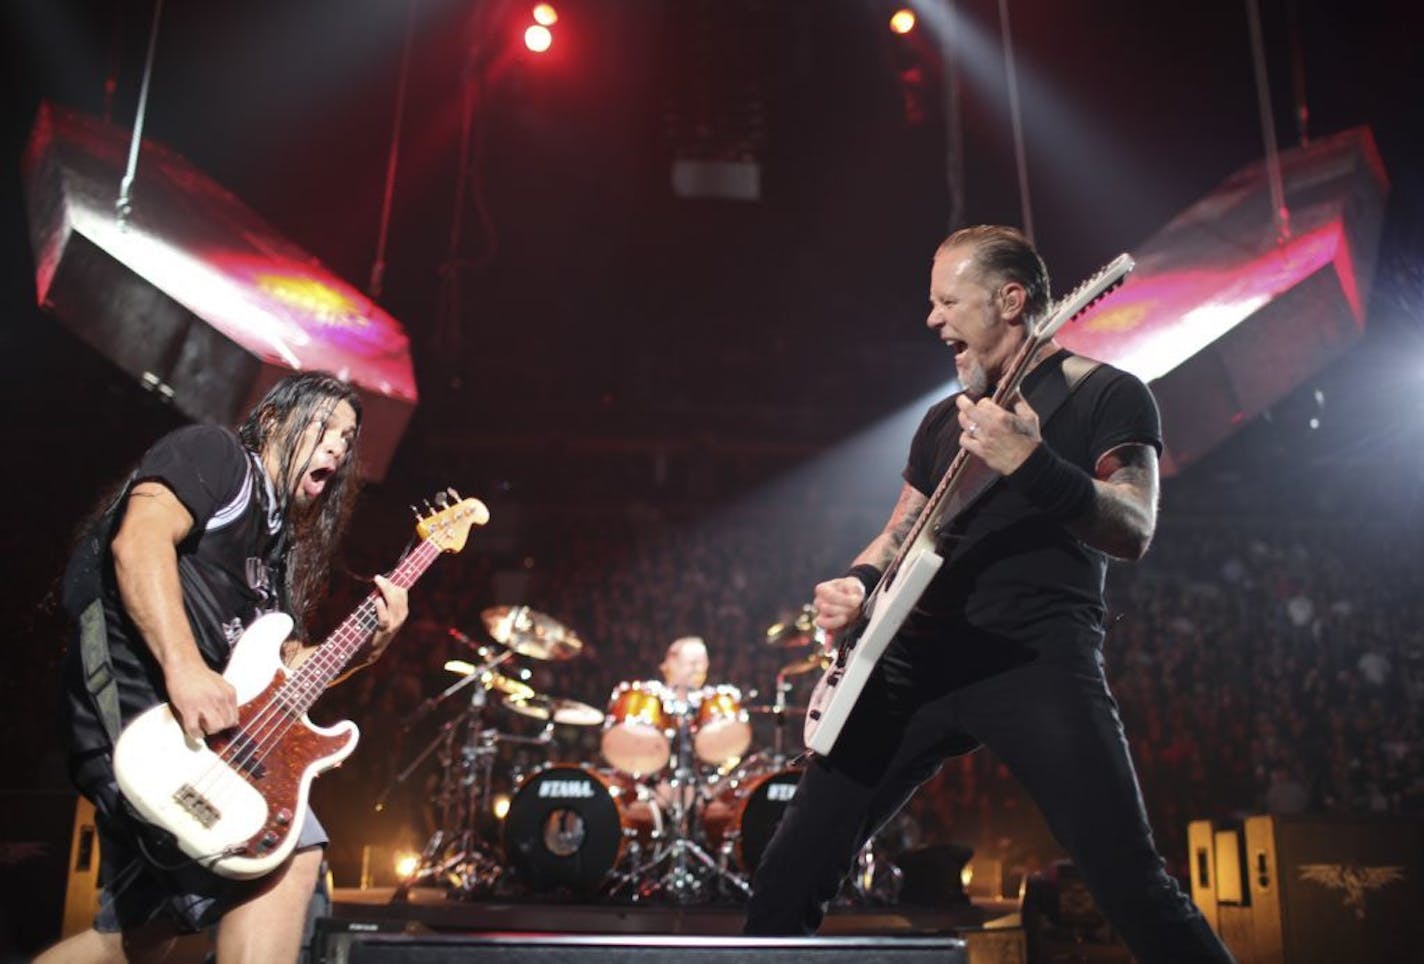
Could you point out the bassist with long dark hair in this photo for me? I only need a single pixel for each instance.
(213, 529)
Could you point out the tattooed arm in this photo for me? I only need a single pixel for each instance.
(838, 601)
(1124, 511)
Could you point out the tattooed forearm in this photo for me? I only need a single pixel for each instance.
(1124, 514)
(883, 548)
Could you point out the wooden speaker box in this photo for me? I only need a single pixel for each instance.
(1297, 890)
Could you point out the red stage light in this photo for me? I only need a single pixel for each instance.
(545, 15)
(538, 38)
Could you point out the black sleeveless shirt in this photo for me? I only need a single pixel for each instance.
(231, 567)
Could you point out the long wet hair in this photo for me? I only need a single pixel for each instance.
(276, 425)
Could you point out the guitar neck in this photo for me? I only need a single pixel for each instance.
(331, 657)
(1063, 311)
(1003, 396)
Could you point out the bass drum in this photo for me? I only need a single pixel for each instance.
(569, 826)
(744, 811)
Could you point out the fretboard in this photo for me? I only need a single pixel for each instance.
(309, 681)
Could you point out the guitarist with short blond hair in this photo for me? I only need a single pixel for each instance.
(1003, 645)
(213, 529)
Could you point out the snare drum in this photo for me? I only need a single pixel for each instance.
(635, 729)
(743, 814)
(723, 730)
(569, 826)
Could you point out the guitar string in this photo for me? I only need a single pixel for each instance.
(267, 728)
(1018, 369)
(306, 683)
(275, 717)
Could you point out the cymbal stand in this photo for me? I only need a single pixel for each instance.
(689, 869)
(778, 710)
(875, 880)
(456, 853)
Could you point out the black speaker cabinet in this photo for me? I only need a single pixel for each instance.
(1302, 889)
(539, 949)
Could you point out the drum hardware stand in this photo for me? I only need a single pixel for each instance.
(688, 865)
(778, 709)
(874, 879)
(456, 853)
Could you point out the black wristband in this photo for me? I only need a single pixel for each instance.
(1062, 490)
(868, 575)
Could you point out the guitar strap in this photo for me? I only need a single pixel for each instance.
(1047, 398)
(98, 668)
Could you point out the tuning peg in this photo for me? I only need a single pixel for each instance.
(442, 500)
(453, 494)
(416, 512)
(428, 507)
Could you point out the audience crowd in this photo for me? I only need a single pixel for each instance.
(1259, 666)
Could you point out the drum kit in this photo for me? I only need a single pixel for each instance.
(680, 811)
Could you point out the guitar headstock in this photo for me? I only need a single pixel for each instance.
(1081, 298)
(448, 521)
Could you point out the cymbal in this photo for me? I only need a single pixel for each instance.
(785, 710)
(491, 680)
(556, 708)
(531, 633)
(816, 661)
(795, 632)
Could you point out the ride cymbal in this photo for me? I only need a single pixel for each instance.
(531, 633)
(816, 661)
(794, 632)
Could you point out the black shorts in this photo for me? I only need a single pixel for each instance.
(136, 890)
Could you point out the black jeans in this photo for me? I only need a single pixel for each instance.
(1053, 722)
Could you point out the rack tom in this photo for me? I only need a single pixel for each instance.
(636, 728)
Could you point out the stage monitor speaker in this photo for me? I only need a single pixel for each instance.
(541, 949)
(81, 896)
(1201, 855)
(193, 294)
(1308, 889)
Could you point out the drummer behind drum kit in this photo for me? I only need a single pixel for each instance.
(681, 813)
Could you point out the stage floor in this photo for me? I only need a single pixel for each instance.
(429, 908)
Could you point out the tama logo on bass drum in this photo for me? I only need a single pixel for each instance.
(565, 789)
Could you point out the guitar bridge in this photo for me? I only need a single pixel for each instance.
(199, 807)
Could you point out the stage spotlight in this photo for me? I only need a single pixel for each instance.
(538, 38)
(500, 805)
(405, 864)
(545, 15)
(902, 21)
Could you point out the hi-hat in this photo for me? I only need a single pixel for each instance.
(531, 633)
(491, 680)
(817, 661)
(795, 632)
(555, 708)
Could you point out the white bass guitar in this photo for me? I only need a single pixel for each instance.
(235, 802)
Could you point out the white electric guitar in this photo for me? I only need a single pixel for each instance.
(235, 802)
(858, 648)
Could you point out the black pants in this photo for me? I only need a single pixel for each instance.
(1055, 725)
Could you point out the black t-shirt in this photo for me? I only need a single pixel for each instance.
(1012, 577)
(230, 567)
